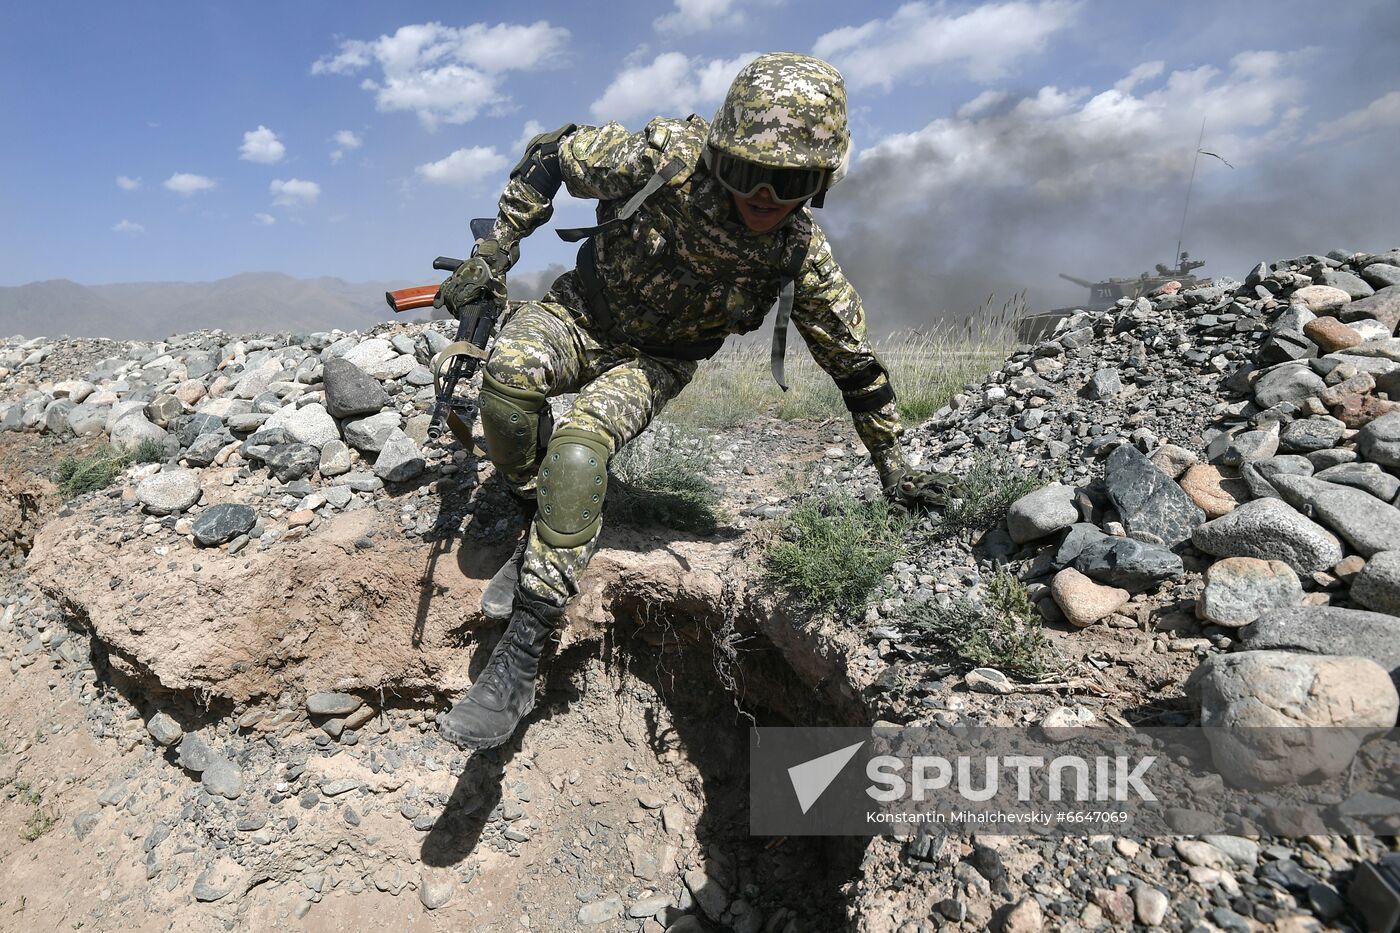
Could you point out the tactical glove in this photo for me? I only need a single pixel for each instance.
(475, 279)
(911, 491)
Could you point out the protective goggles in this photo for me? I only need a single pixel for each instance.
(786, 185)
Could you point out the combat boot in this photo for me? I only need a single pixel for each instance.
(498, 598)
(505, 692)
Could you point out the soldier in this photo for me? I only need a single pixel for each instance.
(702, 227)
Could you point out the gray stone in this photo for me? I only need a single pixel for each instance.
(342, 786)
(1308, 434)
(1384, 306)
(1270, 529)
(56, 416)
(1381, 275)
(435, 889)
(1377, 586)
(350, 391)
(1103, 384)
(371, 353)
(1152, 506)
(1123, 562)
(220, 523)
(600, 912)
(87, 420)
(204, 449)
(290, 462)
(400, 460)
(708, 893)
(1244, 447)
(164, 729)
(1329, 630)
(194, 753)
(247, 422)
(222, 778)
(310, 424)
(335, 459)
(85, 823)
(1353, 285)
(164, 409)
(1041, 513)
(1239, 693)
(369, 434)
(132, 430)
(1366, 476)
(1240, 589)
(1289, 383)
(1379, 441)
(1324, 459)
(333, 704)
(1368, 524)
(1257, 473)
(169, 491)
(190, 427)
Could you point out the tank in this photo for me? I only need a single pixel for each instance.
(1103, 295)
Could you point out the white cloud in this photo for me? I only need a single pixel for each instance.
(128, 184)
(698, 15)
(127, 226)
(345, 141)
(187, 184)
(262, 145)
(465, 166)
(983, 42)
(445, 74)
(265, 220)
(671, 85)
(529, 131)
(1378, 114)
(294, 192)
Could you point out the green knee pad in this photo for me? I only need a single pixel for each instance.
(572, 482)
(510, 421)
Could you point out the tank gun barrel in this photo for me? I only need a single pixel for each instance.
(1079, 282)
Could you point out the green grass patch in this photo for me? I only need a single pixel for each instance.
(662, 481)
(38, 824)
(77, 475)
(926, 367)
(986, 491)
(835, 549)
(1001, 630)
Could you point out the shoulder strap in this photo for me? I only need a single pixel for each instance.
(668, 171)
(785, 302)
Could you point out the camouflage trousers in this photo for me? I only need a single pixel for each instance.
(544, 346)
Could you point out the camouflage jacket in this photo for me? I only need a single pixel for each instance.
(686, 268)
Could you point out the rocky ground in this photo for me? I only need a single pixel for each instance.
(226, 666)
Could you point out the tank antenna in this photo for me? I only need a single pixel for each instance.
(1186, 206)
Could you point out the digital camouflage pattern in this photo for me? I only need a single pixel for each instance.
(544, 346)
(684, 268)
(785, 110)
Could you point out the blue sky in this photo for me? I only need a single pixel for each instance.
(996, 143)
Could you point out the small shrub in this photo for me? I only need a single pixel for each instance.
(834, 550)
(1001, 629)
(987, 490)
(662, 482)
(148, 451)
(39, 823)
(77, 475)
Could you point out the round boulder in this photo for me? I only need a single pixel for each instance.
(1041, 513)
(1320, 299)
(1217, 490)
(1239, 590)
(1253, 702)
(220, 523)
(1377, 586)
(169, 492)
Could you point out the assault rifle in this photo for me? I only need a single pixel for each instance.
(458, 361)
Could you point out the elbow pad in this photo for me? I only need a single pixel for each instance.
(539, 166)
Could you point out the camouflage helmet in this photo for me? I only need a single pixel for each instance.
(785, 110)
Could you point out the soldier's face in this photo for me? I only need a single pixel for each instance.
(760, 212)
